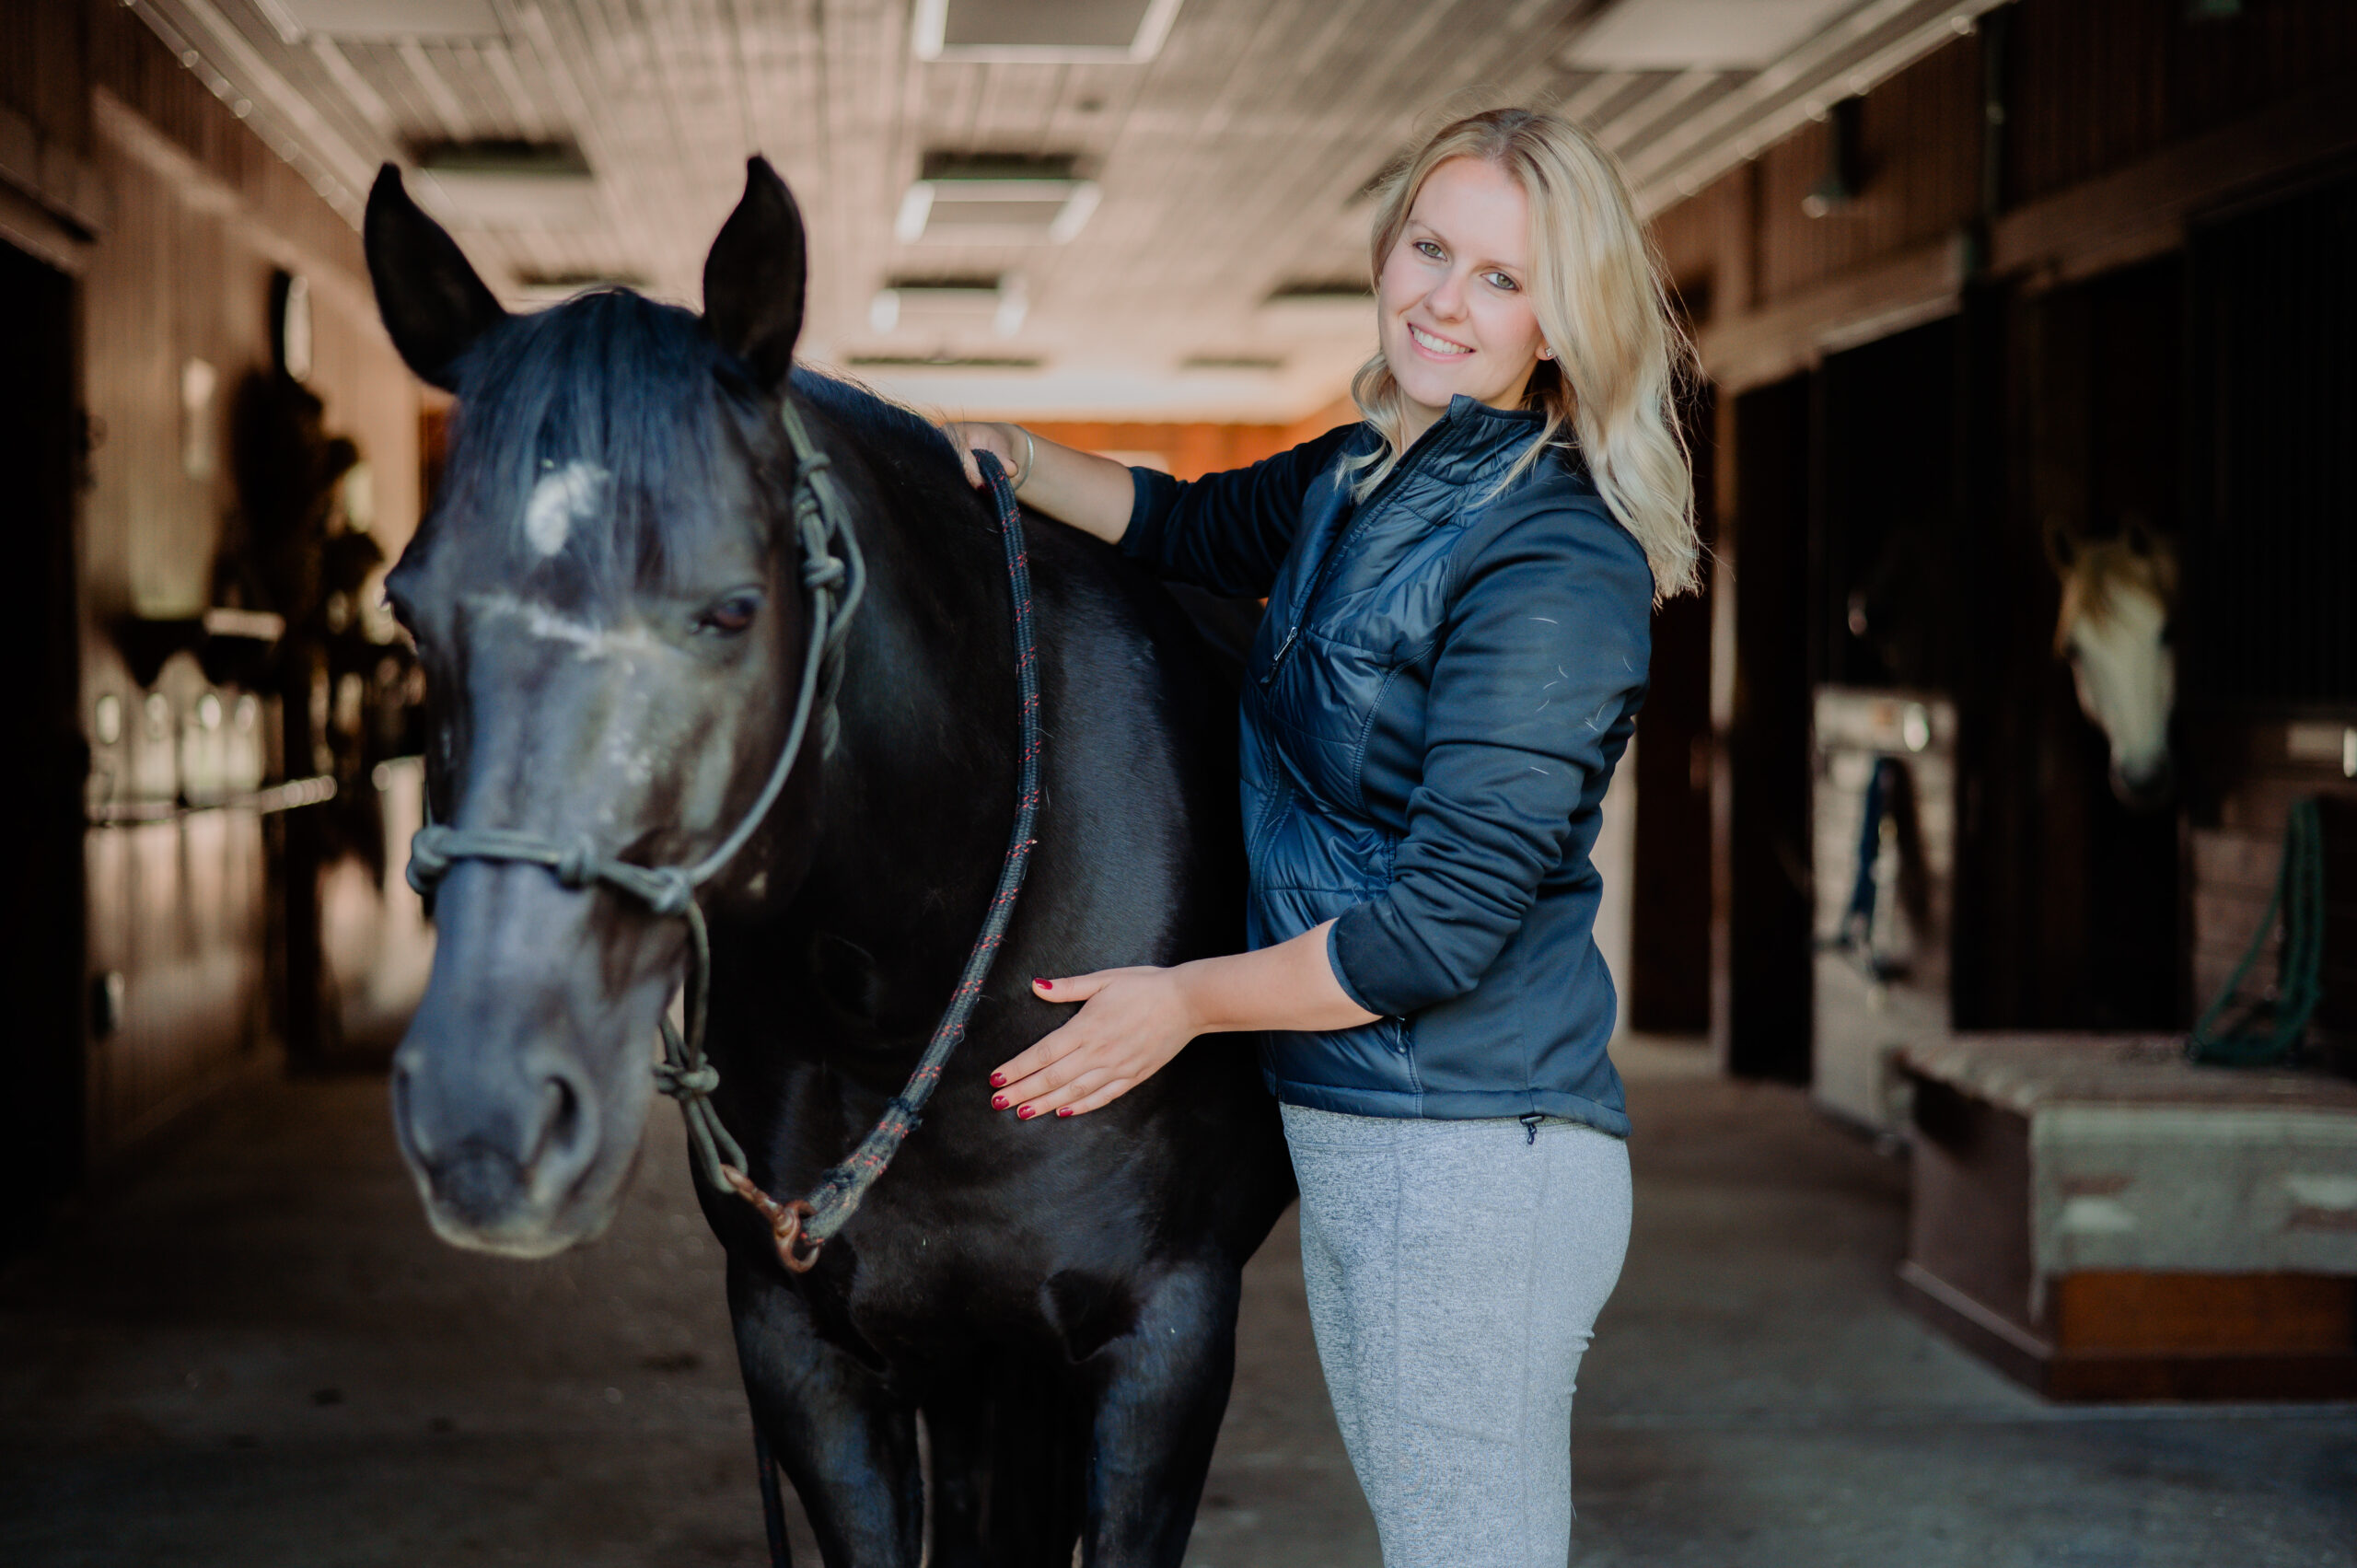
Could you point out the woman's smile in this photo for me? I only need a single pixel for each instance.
(1433, 345)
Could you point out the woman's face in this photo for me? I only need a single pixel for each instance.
(1452, 303)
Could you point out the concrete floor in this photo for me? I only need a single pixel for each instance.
(255, 1354)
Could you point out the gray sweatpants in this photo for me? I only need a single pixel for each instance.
(1455, 1269)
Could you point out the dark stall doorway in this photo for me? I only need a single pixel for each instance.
(1760, 950)
(1669, 913)
(1885, 601)
(2075, 910)
(40, 789)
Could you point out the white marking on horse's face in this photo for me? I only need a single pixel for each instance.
(2126, 674)
(540, 621)
(562, 497)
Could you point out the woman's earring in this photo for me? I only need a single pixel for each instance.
(1546, 353)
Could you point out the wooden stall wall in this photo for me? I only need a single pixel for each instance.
(2270, 546)
(2035, 181)
(2098, 85)
(178, 218)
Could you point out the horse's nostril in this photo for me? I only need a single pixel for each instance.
(562, 1120)
(404, 1130)
(479, 1184)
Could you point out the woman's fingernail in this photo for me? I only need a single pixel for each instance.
(998, 1102)
(1025, 1113)
(1044, 984)
(998, 1080)
(1063, 1110)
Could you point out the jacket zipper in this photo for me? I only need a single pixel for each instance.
(1325, 569)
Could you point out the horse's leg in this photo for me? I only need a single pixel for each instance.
(850, 1449)
(955, 1423)
(1013, 1434)
(1161, 1391)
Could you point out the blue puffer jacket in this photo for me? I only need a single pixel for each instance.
(1433, 707)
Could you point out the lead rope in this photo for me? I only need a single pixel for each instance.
(2299, 900)
(802, 1227)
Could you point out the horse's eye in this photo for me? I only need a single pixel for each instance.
(730, 615)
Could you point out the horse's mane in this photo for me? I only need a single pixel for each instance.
(630, 400)
(865, 411)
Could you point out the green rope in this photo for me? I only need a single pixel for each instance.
(2298, 898)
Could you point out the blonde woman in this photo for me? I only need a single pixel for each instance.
(1460, 592)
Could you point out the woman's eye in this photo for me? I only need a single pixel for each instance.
(1427, 249)
(731, 615)
(1499, 280)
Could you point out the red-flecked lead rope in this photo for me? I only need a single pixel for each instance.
(803, 1227)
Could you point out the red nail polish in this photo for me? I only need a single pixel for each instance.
(998, 1102)
(1025, 1113)
(1044, 984)
(1063, 1110)
(998, 1080)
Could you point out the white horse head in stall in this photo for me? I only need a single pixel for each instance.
(2117, 597)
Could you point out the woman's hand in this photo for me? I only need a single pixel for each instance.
(1093, 494)
(1003, 442)
(1132, 1022)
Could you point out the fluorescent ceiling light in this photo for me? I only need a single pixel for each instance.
(1042, 32)
(995, 200)
(296, 19)
(1231, 364)
(922, 363)
(1676, 35)
(511, 184)
(555, 288)
(1341, 308)
(948, 302)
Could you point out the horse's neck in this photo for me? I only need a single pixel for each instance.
(917, 792)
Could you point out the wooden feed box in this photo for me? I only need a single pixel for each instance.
(2102, 1220)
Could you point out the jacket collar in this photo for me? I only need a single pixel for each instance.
(1470, 432)
(1466, 409)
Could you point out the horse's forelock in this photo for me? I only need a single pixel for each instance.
(2101, 569)
(625, 406)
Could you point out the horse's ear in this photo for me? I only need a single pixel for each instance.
(753, 280)
(2136, 535)
(431, 300)
(2061, 546)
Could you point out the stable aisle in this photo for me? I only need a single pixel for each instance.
(255, 1354)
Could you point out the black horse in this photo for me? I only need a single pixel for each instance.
(606, 602)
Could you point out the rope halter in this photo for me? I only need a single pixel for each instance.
(834, 576)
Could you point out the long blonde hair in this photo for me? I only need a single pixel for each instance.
(1603, 308)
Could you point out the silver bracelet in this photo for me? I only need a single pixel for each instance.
(1030, 456)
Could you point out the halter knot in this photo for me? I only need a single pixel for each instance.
(686, 1082)
(429, 858)
(823, 572)
(668, 891)
(577, 866)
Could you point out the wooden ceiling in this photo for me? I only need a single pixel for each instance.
(1227, 166)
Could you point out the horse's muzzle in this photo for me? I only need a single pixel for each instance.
(2146, 788)
(501, 1171)
(522, 1087)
